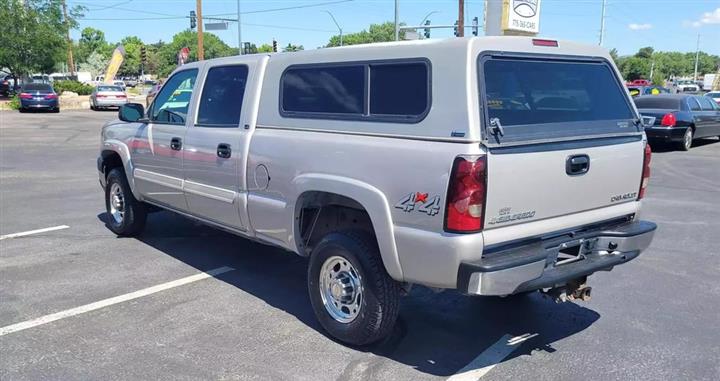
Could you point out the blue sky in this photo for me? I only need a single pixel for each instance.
(630, 24)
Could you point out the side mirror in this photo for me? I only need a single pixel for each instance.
(131, 112)
(647, 121)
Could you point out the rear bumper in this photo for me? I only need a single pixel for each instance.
(531, 265)
(666, 134)
(39, 104)
(110, 102)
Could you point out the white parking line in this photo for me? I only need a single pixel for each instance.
(490, 357)
(30, 232)
(110, 301)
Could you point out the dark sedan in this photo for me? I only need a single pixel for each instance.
(38, 96)
(680, 118)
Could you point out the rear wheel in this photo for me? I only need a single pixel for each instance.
(126, 215)
(687, 140)
(352, 295)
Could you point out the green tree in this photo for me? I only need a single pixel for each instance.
(614, 55)
(293, 48)
(645, 52)
(214, 47)
(376, 33)
(131, 63)
(265, 48)
(635, 68)
(32, 34)
(91, 40)
(96, 64)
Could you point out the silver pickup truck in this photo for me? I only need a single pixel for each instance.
(493, 166)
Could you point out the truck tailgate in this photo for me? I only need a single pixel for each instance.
(529, 185)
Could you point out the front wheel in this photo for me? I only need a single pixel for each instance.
(126, 215)
(352, 295)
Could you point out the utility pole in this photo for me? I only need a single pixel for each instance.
(240, 44)
(697, 57)
(201, 51)
(337, 25)
(71, 62)
(461, 18)
(397, 26)
(602, 23)
(652, 69)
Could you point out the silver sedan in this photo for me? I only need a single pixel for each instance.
(106, 96)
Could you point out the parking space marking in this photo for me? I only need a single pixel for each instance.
(110, 301)
(490, 357)
(30, 232)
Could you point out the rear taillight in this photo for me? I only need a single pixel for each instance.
(645, 172)
(122, 96)
(466, 195)
(668, 120)
(51, 96)
(99, 96)
(25, 96)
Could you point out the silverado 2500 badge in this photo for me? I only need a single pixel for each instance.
(430, 206)
(506, 216)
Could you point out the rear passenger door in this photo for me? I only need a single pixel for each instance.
(215, 153)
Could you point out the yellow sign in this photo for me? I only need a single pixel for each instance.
(117, 59)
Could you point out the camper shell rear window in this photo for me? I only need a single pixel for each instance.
(536, 98)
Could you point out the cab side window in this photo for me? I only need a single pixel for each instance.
(222, 96)
(172, 103)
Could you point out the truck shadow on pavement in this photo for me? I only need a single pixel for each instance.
(437, 333)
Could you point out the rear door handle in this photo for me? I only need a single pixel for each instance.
(175, 144)
(224, 151)
(577, 165)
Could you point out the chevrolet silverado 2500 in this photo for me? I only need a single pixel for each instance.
(493, 166)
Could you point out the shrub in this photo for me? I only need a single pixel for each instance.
(14, 103)
(74, 86)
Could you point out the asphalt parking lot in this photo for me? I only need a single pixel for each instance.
(653, 318)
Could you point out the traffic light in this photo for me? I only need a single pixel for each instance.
(456, 29)
(193, 20)
(427, 30)
(143, 54)
(274, 45)
(475, 26)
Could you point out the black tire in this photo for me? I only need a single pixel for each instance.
(92, 107)
(687, 142)
(56, 110)
(379, 304)
(22, 110)
(134, 212)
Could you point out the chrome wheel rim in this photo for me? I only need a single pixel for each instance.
(341, 289)
(117, 203)
(688, 138)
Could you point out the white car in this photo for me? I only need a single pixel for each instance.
(686, 86)
(106, 96)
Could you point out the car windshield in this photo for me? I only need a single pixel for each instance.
(37, 87)
(109, 88)
(658, 102)
(713, 94)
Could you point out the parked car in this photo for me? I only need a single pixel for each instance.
(715, 95)
(130, 82)
(106, 96)
(152, 93)
(686, 86)
(9, 84)
(38, 96)
(119, 84)
(647, 90)
(455, 164)
(679, 118)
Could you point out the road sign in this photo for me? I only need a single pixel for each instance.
(216, 26)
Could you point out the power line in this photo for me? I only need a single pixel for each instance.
(285, 8)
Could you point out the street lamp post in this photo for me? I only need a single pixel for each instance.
(240, 44)
(338, 26)
(428, 15)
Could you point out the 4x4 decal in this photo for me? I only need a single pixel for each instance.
(429, 206)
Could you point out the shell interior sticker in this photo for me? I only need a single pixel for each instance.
(420, 202)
